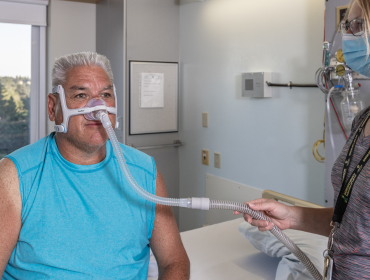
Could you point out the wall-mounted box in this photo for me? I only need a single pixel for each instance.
(254, 84)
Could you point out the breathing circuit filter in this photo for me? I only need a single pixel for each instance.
(351, 104)
(195, 202)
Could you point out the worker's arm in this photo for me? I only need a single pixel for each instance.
(314, 220)
(10, 211)
(166, 244)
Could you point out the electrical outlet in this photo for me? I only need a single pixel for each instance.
(205, 157)
(217, 158)
(205, 119)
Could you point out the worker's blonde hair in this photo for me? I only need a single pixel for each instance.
(365, 7)
(67, 62)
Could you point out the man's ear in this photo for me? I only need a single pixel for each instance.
(52, 106)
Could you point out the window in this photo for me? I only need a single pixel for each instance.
(15, 86)
(22, 73)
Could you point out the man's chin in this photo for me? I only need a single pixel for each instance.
(89, 137)
(97, 139)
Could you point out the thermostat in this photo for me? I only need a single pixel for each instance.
(254, 84)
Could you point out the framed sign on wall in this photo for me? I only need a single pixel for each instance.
(153, 97)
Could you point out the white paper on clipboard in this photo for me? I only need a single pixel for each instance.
(151, 90)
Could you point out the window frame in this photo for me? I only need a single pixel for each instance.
(38, 84)
(14, 11)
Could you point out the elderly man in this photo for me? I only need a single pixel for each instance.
(67, 212)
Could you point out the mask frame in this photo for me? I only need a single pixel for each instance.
(67, 113)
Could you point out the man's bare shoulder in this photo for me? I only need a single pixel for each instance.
(10, 210)
(9, 184)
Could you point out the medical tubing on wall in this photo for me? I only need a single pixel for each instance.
(329, 119)
(202, 203)
(329, 122)
(243, 208)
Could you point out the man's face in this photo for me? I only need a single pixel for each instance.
(82, 84)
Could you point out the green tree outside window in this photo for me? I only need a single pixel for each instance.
(14, 113)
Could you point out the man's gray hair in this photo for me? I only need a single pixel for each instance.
(70, 61)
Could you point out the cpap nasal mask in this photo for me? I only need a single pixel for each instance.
(90, 107)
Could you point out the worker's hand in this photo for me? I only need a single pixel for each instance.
(280, 214)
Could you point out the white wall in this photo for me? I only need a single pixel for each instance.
(71, 28)
(264, 143)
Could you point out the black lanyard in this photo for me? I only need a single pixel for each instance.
(346, 190)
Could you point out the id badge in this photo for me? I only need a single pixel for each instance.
(328, 268)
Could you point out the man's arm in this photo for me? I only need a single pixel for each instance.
(10, 211)
(166, 244)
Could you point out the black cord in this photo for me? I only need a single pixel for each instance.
(290, 85)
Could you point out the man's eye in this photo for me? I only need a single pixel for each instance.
(106, 94)
(81, 95)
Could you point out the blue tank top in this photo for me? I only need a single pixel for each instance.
(81, 221)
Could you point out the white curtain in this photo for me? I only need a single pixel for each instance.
(33, 12)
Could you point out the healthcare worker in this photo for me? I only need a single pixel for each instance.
(348, 223)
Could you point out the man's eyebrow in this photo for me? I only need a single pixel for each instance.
(108, 87)
(78, 88)
(86, 88)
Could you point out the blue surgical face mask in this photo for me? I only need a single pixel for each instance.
(355, 53)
